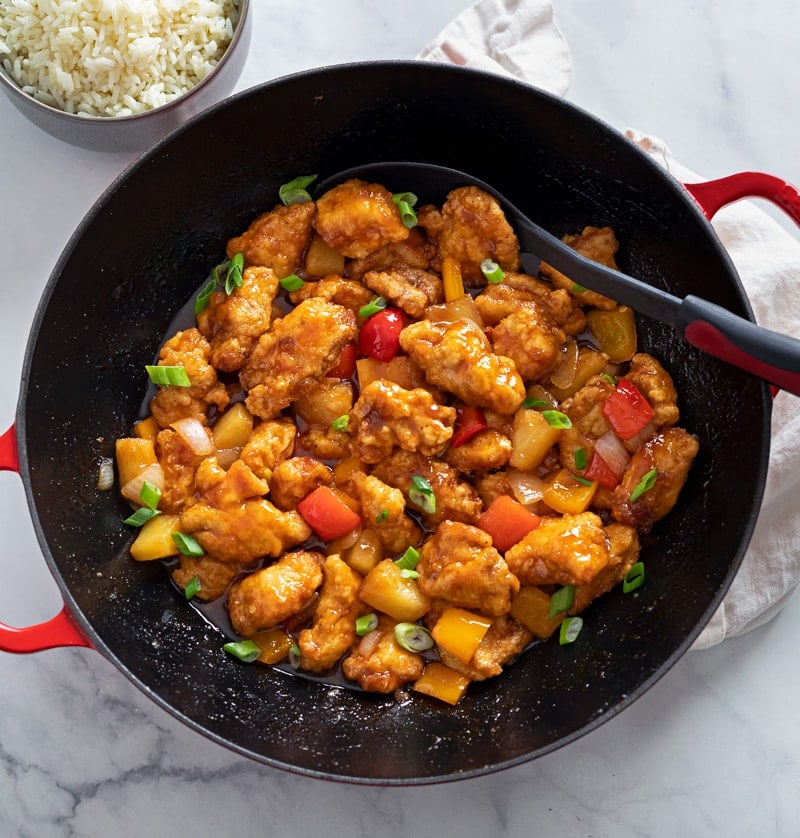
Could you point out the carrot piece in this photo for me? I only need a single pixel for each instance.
(507, 521)
(442, 682)
(327, 514)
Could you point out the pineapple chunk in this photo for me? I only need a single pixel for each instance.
(385, 589)
(155, 539)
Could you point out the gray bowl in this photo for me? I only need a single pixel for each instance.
(138, 131)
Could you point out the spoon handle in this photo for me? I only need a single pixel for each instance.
(770, 355)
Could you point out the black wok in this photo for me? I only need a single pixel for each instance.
(147, 245)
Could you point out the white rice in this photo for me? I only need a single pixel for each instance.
(112, 57)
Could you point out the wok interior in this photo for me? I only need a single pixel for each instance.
(148, 245)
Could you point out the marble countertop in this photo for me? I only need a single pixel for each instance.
(712, 749)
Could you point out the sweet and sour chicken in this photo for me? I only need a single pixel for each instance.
(393, 456)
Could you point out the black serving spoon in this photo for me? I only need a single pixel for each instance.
(770, 355)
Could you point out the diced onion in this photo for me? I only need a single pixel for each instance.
(105, 474)
(613, 452)
(564, 373)
(368, 643)
(461, 308)
(226, 457)
(527, 487)
(154, 474)
(636, 442)
(194, 434)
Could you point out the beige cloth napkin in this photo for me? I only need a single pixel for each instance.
(520, 38)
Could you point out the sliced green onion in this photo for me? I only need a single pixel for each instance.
(412, 637)
(204, 296)
(580, 458)
(341, 423)
(531, 403)
(378, 304)
(187, 544)
(557, 419)
(141, 516)
(192, 588)
(409, 559)
(245, 650)
(492, 271)
(166, 376)
(645, 484)
(582, 480)
(294, 656)
(233, 276)
(149, 495)
(366, 624)
(609, 379)
(562, 600)
(570, 629)
(404, 201)
(295, 192)
(381, 516)
(292, 283)
(578, 289)
(633, 578)
(405, 573)
(421, 494)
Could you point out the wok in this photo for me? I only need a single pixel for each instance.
(144, 249)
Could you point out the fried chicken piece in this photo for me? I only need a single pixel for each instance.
(325, 443)
(596, 243)
(379, 663)
(589, 423)
(475, 228)
(295, 478)
(412, 289)
(530, 338)
(333, 630)
(276, 239)
(623, 550)
(233, 323)
(270, 443)
(459, 564)
(273, 594)
(569, 550)
(387, 415)
(214, 576)
(357, 218)
(415, 251)
(655, 383)
(671, 452)
(504, 640)
(223, 489)
(294, 353)
(334, 289)
(386, 506)
(487, 450)
(179, 463)
(190, 350)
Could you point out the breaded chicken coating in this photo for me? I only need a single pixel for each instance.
(655, 384)
(623, 550)
(179, 463)
(411, 289)
(458, 357)
(334, 289)
(190, 350)
(214, 576)
(270, 443)
(415, 251)
(277, 239)
(356, 218)
(458, 564)
(295, 478)
(589, 423)
(224, 489)
(273, 594)
(333, 629)
(487, 450)
(386, 507)
(294, 353)
(530, 338)
(387, 415)
(233, 323)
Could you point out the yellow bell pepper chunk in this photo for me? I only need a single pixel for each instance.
(274, 643)
(460, 632)
(567, 495)
(451, 279)
(442, 682)
(531, 608)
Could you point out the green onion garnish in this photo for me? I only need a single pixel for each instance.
(149, 495)
(578, 289)
(245, 650)
(341, 423)
(204, 296)
(645, 484)
(421, 494)
(295, 192)
(141, 516)
(609, 379)
(366, 624)
(412, 637)
(404, 201)
(530, 403)
(582, 480)
(570, 629)
(408, 563)
(187, 544)
(192, 588)
(378, 304)
(579, 456)
(233, 276)
(166, 376)
(381, 516)
(557, 419)
(492, 271)
(562, 600)
(294, 656)
(292, 283)
(633, 578)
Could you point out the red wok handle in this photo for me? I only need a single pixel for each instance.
(712, 195)
(61, 630)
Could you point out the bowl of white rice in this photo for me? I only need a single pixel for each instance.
(117, 75)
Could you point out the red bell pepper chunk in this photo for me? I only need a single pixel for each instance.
(346, 365)
(627, 410)
(469, 420)
(327, 514)
(598, 471)
(507, 521)
(379, 337)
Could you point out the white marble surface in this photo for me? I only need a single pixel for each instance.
(712, 749)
